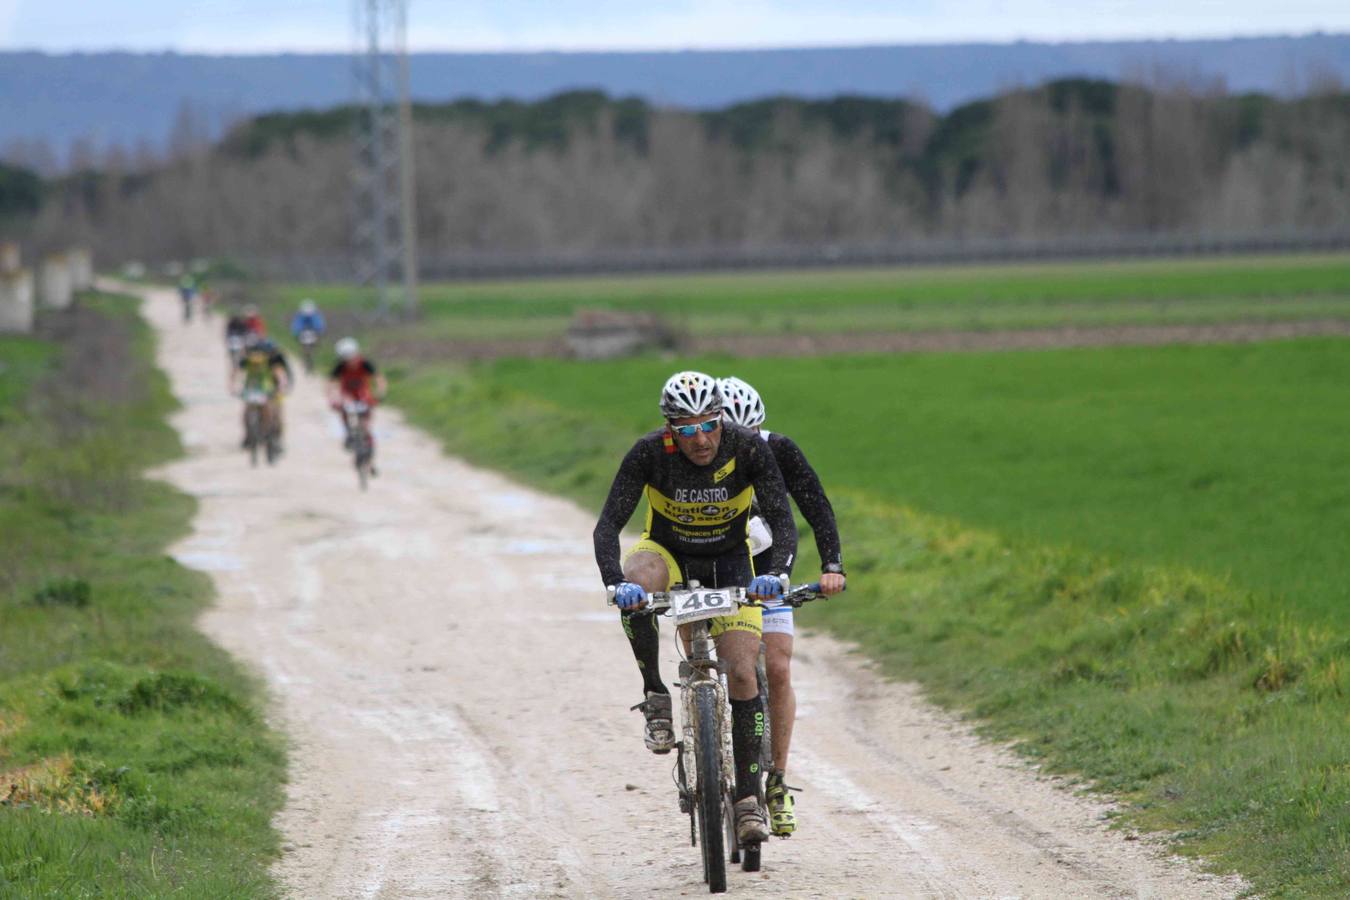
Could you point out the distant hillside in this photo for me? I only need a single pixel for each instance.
(127, 98)
(581, 173)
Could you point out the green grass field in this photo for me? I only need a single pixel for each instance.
(134, 759)
(1230, 459)
(1129, 561)
(1217, 709)
(915, 299)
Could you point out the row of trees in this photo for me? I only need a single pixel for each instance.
(582, 173)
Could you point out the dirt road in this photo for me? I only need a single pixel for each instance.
(457, 698)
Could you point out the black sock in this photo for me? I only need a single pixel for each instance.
(747, 740)
(644, 636)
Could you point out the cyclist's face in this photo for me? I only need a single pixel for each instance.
(701, 447)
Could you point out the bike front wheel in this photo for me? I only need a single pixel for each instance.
(253, 433)
(708, 760)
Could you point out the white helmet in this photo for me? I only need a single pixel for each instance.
(741, 402)
(307, 306)
(690, 394)
(347, 348)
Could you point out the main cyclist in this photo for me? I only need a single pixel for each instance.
(263, 367)
(742, 405)
(699, 475)
(355, 378)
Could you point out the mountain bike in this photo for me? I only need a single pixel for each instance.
(259, 431)
(309, 339)
(704, 765)
(359, 440)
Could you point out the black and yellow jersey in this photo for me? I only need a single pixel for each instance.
(697, 510)
(259, 366)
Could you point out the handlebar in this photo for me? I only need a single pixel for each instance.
(795, 598)
(804, 593)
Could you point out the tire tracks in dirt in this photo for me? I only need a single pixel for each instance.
(456, 698)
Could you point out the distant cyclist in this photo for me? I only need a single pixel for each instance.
(354, 380)
(236, 335)
(699, 475)
(254, 320)
(264, 368)
(307, 327)
(742, 405)
(187, 290)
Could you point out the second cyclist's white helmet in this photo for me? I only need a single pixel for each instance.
(741, 403)
(347, 348)
(690, 394)
(307, 306)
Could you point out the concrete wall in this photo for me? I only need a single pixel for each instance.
(16, 302)
(81, 268)
(55, 290)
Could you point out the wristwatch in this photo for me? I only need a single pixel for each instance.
(832, 569)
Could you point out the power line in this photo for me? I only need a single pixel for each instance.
(384, 217)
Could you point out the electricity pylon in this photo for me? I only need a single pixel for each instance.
(385, 215)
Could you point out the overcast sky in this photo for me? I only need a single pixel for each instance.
(314, 25)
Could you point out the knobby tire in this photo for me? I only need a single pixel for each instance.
(708, 758)
(253, 428)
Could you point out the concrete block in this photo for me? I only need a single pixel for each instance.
(10, 260)
(16, 302)
(81, 268)
(55, 290)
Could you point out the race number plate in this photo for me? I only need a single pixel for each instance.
(692, 606)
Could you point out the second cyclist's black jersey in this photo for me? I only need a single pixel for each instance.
(697, 510)
(804, 486)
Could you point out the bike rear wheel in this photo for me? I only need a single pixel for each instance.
(363, 453)
(708, 759)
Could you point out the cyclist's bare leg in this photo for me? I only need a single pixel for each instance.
(782, 698)
(650, 571)
(738, 651)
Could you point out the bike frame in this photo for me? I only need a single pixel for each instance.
(701, 675)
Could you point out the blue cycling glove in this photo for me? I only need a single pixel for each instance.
(628, 595)
(766, 587)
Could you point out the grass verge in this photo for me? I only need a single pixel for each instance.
(134, 759)
(1212, 712)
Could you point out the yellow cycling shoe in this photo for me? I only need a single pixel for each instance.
(782, 808)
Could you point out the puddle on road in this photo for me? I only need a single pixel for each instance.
(209, 561)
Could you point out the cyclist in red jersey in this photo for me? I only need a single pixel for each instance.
(253, 320)
(354, 379)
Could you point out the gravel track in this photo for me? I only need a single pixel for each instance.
(456, 696)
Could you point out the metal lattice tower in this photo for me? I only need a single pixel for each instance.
(384, 217)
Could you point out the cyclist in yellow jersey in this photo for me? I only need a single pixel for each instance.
(699, 476)
(263, 367)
